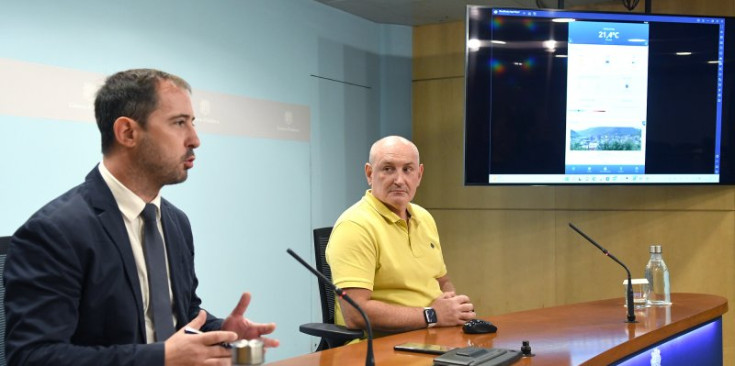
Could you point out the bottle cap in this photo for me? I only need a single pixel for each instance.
(655, 249)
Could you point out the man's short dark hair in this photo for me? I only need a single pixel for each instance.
(132, 94)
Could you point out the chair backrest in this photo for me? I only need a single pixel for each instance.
(4, 243)
(321, 238)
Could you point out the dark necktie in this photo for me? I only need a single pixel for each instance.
(155, 260)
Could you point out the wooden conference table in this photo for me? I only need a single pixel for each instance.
(590, 333)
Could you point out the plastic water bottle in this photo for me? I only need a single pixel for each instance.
(657, 274)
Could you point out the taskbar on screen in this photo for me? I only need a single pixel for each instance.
(603, 178)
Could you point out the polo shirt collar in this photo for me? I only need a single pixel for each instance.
(384, 210)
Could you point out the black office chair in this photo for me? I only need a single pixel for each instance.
(4, 243)
(332, 335)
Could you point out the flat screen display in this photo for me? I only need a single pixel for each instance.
(568, 97)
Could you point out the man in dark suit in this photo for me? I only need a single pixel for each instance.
(78, 276)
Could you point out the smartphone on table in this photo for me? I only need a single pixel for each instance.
(434, 349)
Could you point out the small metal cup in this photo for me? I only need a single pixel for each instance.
(247, 352)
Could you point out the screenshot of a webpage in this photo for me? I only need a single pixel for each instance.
(606, 98)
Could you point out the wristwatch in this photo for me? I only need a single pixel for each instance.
(430, 317)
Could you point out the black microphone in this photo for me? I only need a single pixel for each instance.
(629, 300)
(369, 358)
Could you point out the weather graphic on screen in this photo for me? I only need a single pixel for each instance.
(606, 98)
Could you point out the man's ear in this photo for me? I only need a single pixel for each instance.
(369, 174)
(126, 131)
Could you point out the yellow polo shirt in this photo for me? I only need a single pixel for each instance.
(372, 248)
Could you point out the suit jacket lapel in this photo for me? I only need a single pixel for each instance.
(110, 218)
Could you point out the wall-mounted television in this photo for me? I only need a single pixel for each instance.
(573, 97)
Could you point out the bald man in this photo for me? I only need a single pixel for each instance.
(384, 251)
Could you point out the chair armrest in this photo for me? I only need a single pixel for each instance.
(334, 335)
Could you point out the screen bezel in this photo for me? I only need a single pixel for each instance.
(477, 139)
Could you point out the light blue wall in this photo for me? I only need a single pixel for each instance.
(248, 198)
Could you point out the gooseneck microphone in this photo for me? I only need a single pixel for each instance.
(369, 357)
(629, 300)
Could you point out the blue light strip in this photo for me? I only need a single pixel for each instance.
(699, 346)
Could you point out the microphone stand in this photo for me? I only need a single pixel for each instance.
(629, 297)
(369, 357)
